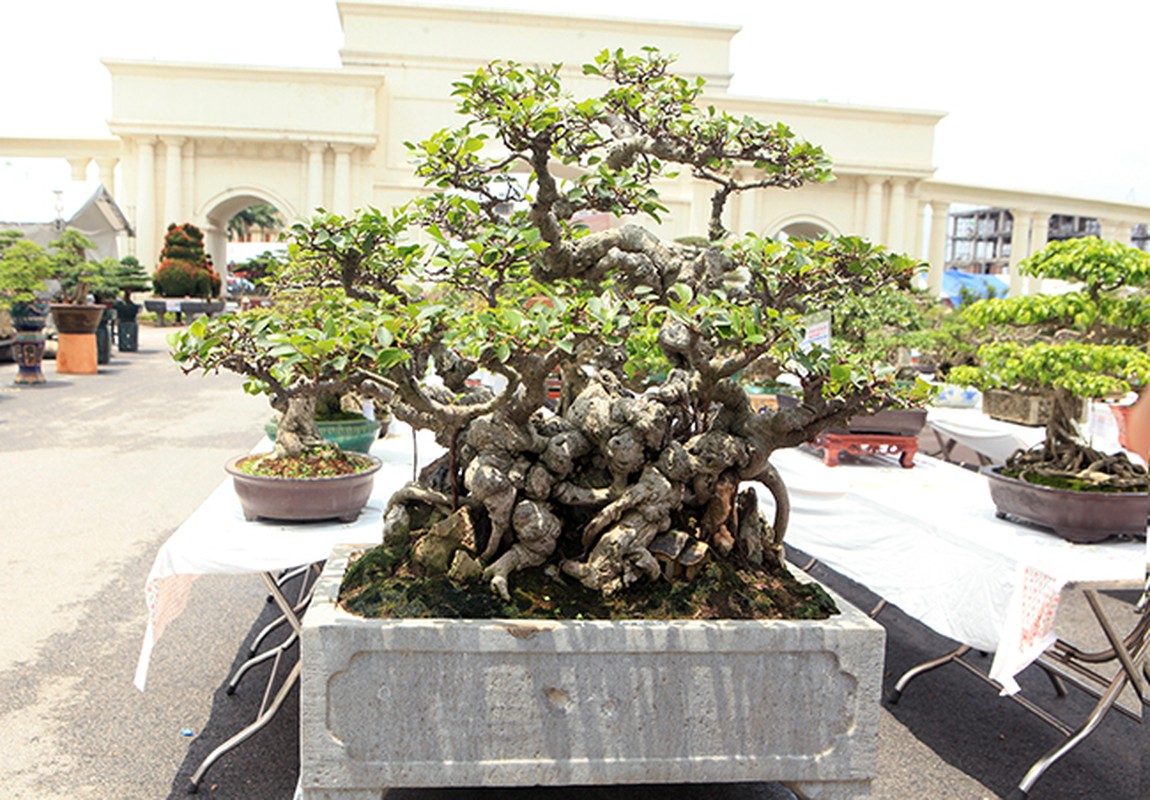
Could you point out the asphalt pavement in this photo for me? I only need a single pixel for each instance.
(98, 470)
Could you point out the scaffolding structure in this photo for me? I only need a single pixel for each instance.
(978, 240)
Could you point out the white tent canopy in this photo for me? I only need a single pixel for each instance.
(84, 206)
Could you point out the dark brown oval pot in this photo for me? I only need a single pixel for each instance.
(1081, 517)
(70, 318)
(303, 499)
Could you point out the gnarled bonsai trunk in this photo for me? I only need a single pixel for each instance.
(296, 430)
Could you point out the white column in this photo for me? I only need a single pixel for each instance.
(188, 181)
(896, 225)
(874, 208)
(1125, 233)
(216, 245)
(1039, 230)
(107, 168)
(1019, 247)
(146, 249)
(939, 220)
(173, 173)
(917, 234)
(1115, 231)
(341, 181)
(79, 168)
(314, 189)
(858, 222)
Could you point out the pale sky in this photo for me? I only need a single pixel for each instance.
(1042, 95)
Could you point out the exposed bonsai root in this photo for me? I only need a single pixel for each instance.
(1074, 465)
(614, 474)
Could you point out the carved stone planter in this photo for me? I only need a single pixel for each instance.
(433, 702)
(1024, 409)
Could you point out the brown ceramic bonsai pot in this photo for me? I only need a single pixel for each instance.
(892, 421)
(75, 318)
(1080, 517)
(303, 499)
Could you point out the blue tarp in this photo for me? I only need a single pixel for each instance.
(953, 282)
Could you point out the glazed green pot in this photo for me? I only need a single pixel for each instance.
(354, 435)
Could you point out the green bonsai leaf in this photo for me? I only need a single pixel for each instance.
(1103, 266)
(24, 266)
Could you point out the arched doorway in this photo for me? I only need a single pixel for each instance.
(222, 207)
(804, 229)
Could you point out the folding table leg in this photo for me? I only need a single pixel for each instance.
(1085, 729)
(912, 673)
(267, 709)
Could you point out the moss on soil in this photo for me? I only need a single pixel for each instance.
(380, 584)
(317, 462)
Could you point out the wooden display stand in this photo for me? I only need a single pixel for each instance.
(76, 353)
(835, 445)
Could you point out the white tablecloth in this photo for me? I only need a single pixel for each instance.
(993, 438)
(927, 540)
(216, 539)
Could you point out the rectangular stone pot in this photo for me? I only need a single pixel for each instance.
(423, 703)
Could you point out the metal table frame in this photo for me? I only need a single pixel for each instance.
(1065, 663)
(274, 696)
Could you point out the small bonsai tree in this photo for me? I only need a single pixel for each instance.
(24, 266)
(71, 267)
(478, 293)
(185, 268)
(304, 351)
(131, 278)
(1085, 344)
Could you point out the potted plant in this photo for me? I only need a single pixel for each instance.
(186, 275)
(632, 489)
(24, 267)
(131, 278)
(296, 354)
(337, 423)
(103, 279)
(1069, 349)
(75, 314)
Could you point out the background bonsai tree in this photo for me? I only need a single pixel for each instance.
(24, 266)
(185, 268)
(485, 288)
(131, 278)
(71, 267)
(1085, 344)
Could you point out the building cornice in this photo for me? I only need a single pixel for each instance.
(17, 147)
(346, 76)
(137, 128)
(535, 19)
(843, 111)
(1033, 201)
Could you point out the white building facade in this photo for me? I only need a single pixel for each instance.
(198, 143)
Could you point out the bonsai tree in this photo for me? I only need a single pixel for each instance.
(71, 267)
(185, 268)
(484, 289)
(131, 277)
(1086, 344)
(300, 353)
(24, 266)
